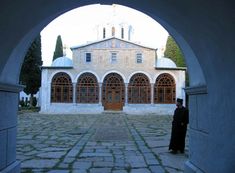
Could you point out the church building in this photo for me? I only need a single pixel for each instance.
(112, 74)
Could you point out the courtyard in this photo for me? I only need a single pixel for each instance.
(104, 143)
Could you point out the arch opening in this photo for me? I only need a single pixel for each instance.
(61, 88)
(13, 56)
(113, 92)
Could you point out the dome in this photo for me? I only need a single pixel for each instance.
(165, 63)
(62, 62)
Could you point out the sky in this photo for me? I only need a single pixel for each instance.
(77, 27)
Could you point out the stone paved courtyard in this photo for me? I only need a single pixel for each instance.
(105, 143)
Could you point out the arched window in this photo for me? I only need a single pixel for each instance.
(61, 88)
(164, 89)
(104, 33)
(139, 90)
(113, 31)
(87, 89)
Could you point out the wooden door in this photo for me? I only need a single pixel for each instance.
(113, 92)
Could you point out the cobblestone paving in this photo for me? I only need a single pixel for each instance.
(105, 143)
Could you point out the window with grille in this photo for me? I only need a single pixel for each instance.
(113, 57)
(139, 89)
(61, 88)
(87, 89)
(164, 89)
(88, 57)
(139, 58)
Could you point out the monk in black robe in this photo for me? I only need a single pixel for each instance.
(179, 128)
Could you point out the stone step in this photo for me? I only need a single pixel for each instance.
(114, 112)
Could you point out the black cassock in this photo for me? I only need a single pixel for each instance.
(179, 129)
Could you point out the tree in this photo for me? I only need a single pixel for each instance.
(30, 75)
(58, 48)
(174, 53)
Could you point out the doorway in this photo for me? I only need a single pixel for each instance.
(113, 90)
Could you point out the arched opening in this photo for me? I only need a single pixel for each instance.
(61, 88)
(113, 92)
(87, 89)
(104, 33)
(200, 42)
(164, 89)
(139, 89)
(122, 33)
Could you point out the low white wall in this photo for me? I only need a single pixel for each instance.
(70, 108)
(159, 109)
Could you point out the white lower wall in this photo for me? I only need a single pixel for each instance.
(70, 108)
(159, 109)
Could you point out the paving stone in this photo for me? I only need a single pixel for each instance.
(51, 155)
(103, 164)
(120, 164)
(174, 161)
(45, 163)
(157, 169)
(63, 165)
(172, 170)
(100, 170)
(68, 160)
(108, 159)
(73, 152)
(58, 171)
(96, 155)
(56, 137)
(140, 170)
(79, 171)
(136, 161)
(94, 159)
(119, 171)
(152, 162)
(53, 149)
(81, 165)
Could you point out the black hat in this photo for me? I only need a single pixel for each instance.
(180, 100)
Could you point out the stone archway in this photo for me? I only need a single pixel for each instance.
(197, 28)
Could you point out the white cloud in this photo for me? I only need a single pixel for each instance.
(78, 26)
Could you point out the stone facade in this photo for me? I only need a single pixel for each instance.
(100, 65)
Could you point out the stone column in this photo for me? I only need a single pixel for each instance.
(152, 93)
(100, 93)
(126, 93)
(74, 92)
(9, 99)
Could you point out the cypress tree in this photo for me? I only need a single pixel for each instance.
(30, 75)
(174, 53)
(58, 48)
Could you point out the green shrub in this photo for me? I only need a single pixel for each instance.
(34, 103)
